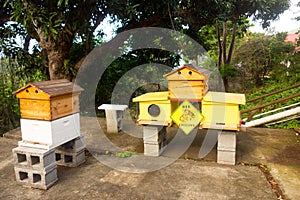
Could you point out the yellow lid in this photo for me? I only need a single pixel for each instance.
(223, 97)
(152, 96)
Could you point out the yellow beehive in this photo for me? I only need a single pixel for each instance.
(221, 110)
(48, 100)
(155, 108)
(187, 83)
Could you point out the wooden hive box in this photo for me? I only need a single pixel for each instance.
(221, 110)
(48, 100)
(155, 108)
(187, 83)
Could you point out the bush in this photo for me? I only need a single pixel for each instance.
(12, 77)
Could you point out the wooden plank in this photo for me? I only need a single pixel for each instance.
(188, 93)
(231, 127)
(270, 103)
(184, 84)
(185, 73)
(32, 93)
(53, 133)
(152, 122)
(63, 106)
(275, 92)
(35, 109)
(51, 88)
(274, 117)
(49, 110)
(112, 107)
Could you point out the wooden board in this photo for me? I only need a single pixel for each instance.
(220, 116)
(185, 73)
(51, 133)
(190, 90)
(64, 106)
(35, 109)
(185, 84)
(32, 93)
(188, 93)
(49, 109)
(51, 88)
(229, 127)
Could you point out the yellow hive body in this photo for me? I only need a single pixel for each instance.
(221, 110)
(48, 100)
(155, 108)
(187, 83)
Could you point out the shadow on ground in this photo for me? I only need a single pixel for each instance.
(187, 178)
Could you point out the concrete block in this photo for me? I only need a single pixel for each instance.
(41, 179)
(226, 157)
(114, 116)
(152, 149)
(73, 146)
(111, 121)
(50, 133)
(33, 158)
(227, 141)
(154, 134)
(154, 138)
(69, 159)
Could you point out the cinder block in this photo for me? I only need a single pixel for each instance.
(227, 141)
(152, 149)
(33, 158)
(154, 134)
(155, 138)
(226, 157)
(69, 159)
(73, 146)
(42, 179)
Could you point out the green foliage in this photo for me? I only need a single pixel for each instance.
(125, 154)
(261, 57)
(228, 71)
(272, 86)
(126, 62)
(13, 76)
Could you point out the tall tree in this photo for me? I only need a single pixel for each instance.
(234, 15)
(55, 23)
(262, 56)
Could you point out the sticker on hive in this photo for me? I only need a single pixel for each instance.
(187, 117)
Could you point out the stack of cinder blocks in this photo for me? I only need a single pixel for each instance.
(155, 138)
(227, 148)
(71, 154)
(35, 167)
(50, 127)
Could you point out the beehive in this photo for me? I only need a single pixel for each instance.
(48, 100)
(155, 108)
(221, 110)
(187, 83)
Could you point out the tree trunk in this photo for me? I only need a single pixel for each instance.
(231, 46)
(224, 42)
(219, 45)
(27, 43)
(56, 63)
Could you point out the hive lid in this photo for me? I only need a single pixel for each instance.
(152, 96)
(53, 87)
(198, 70)
(222, 97)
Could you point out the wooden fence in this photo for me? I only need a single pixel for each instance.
(260, 105)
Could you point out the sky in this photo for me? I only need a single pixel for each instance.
(286, 21)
